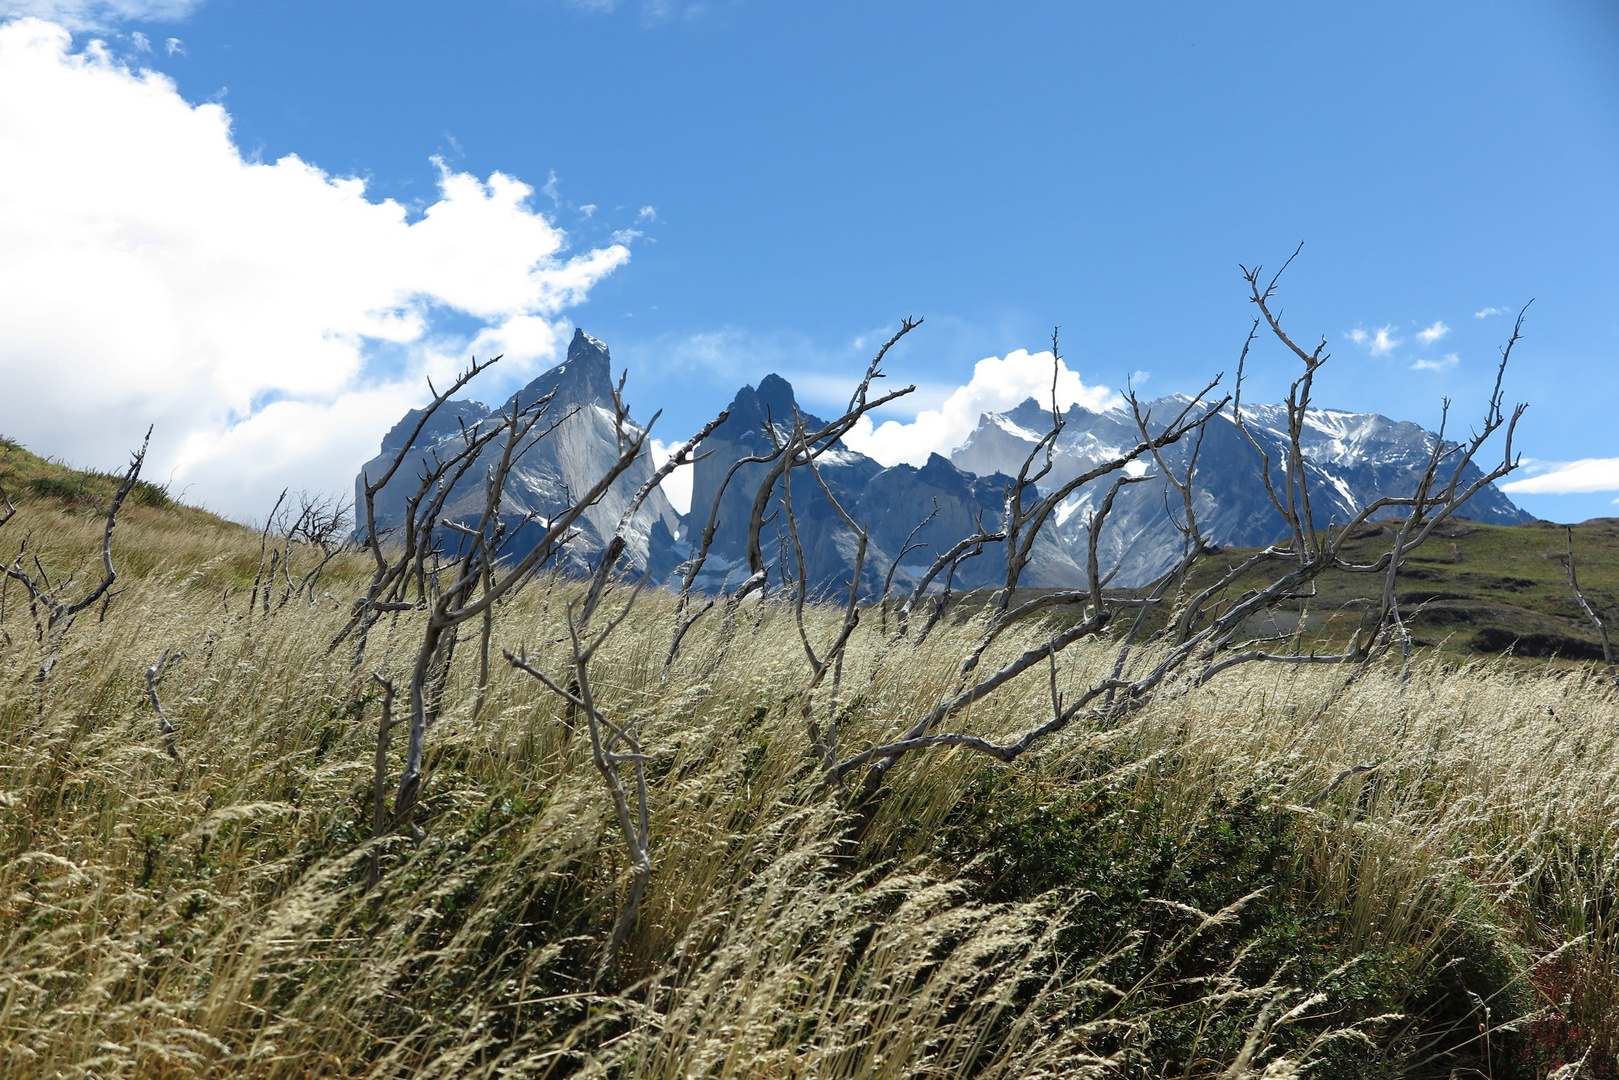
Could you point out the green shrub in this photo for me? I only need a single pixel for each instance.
(1145, 873)
(48, 487)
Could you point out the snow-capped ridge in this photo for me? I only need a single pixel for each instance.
(912, 513)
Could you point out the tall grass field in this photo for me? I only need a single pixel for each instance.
(1203, 890)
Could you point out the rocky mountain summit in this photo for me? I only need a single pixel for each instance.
(569, 450)
(1352, 460)
(888, 502)
(913, 514)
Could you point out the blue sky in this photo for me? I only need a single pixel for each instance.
(785, 179)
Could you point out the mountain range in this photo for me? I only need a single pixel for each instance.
(1352, 459)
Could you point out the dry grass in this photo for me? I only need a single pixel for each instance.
(1152, 900)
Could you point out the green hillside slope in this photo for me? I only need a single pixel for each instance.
(1483, 589)
(61, 511)
(25, 475)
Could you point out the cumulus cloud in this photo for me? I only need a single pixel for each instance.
(269, 318)
(677, 486)
(1485, 313)
(99, 14)
(1433, 333)
(1449, 360)
(1381, 341)
(1569, 478)
(996, 386)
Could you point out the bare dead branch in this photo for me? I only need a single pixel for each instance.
(167, 729)
(53, 612)
(1196, 635)
(904, 549)
(264, 547)
(634, 821)
(1585, 606)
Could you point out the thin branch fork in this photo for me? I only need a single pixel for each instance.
(904, 549)
(832, 661)
(42, 594)
(1202, 625)
(683, 455)
(1024, 526)
(814, 444)
(167, 729)
(634, 822)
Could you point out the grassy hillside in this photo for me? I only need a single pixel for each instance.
(1481, 589)
(28, 476)
(1200, 892)
(62, 512)
(68, 507)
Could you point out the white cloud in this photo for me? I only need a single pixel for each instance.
(1449, 360)
(1433, 333)
(1485, 313)
(648, 213)
(99, 14)
(1381, 341)
(677, 485)
(997, 385)
(1569, 477)
(174, 46)
(269, 318)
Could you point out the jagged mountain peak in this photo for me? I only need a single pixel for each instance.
(568, 452)
(584, 345)
(584, 378)
(447, 421)
(771, 401)
(777, 393)
(911, 514)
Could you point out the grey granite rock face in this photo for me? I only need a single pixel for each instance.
(889, 503)
(1353, 459)
(571, 448)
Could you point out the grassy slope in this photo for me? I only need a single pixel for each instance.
(27, 475)
(153, 529)
(1136, 902)
(63, 511)
(1477, 588)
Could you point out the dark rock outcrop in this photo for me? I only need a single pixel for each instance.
(888, 503)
